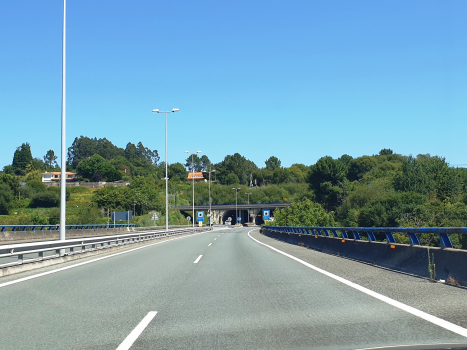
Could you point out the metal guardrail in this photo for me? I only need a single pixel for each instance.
(21, 253)
(412, 232)
(57, 227)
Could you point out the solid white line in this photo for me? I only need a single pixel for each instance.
(197, 259)
(91, 261)
(135, 333)
(209, 244)
(411, 310)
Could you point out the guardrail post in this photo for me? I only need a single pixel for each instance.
(334, 233)
(326, 233)
(414, 239)
(20, 259)
(356, 235)
(371, 236)
(344, 234)
(390, 237)
(445, 241)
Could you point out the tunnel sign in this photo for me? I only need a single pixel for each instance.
(200, 215)
(266, 215)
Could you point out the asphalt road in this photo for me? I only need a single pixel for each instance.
(215, 290)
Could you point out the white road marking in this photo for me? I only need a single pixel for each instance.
(197, 259)
(215, 238)
(91, 261)
(219, 236)
(411, 310)
(209, 244)
(135, 333)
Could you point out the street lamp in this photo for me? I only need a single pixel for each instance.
(236, 203)
(193, 178)
(210, 211)
(166, 164)
(248, 205)
(63, 138)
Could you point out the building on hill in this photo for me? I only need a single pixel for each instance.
(55, 176)
(198, 177)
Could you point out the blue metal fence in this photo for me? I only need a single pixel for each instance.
(57, 227)
(355, 232)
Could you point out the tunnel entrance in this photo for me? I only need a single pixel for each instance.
(231, 214)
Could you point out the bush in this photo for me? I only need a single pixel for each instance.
(47, 199)
(36, 186)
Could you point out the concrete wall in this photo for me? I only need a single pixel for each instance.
(446, 263)
(93, 185)
(8, 237)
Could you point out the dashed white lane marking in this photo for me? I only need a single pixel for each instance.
(135, 333)
(197, 259)
(209, 244)
(411, 310)
(93, 260)
(215, 238)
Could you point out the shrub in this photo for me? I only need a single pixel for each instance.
(46, 199)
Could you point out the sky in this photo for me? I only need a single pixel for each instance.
(298, 80)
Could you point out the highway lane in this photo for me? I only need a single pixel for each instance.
(238, 294)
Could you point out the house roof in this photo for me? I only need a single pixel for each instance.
(58, 173)
(195, 176)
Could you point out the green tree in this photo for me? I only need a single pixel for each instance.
(326, 179)
(358, 167)
(87, 168)
(6, 198)
(50, 159)
(235, 164)
(177, 170)
(386, 152)
(273, 163)
(22, 158)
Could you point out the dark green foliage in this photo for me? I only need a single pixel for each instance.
(273, 163)
(6, 198)
(326, 179)
(346, 159)
(22, 158)
(358, 167)
(386, 210)
(235, 164)
(177, 170)
(430, 176)
(46, 199)
(85, 147)
(386, 152)
(50, 159)
(303, 213)
(88, 169)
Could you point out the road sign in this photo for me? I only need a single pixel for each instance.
(200, 215)
(239, 219)
(266, 214)
(155, 217)
(188, 218)
(121, 215)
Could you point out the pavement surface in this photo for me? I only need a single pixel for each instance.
(221, 289)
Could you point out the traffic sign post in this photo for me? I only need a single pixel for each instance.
(200, 215)
(266, 215)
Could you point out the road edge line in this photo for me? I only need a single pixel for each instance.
(411, 310)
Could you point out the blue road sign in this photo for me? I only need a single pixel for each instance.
(239, 218)
(266, 215)
(200, 215)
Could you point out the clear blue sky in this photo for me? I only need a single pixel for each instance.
(294, 79)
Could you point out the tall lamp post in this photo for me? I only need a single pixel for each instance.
(210, 211)
(193, 179)
(248, 204)
(236, 203)
(166, 164)
(63, 139)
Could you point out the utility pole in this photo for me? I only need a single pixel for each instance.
(249, 209)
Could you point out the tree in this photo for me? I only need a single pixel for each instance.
(87, 168)
(326, 179)
(386, 152)
(205, 163)
(6, 198)
(345, 158)
(22, 158)
(360, 166)
(177, 170)
(273, 163)
(194, 161)
(50, 159)
(236, 164)
(46, 199)
(85, 147)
